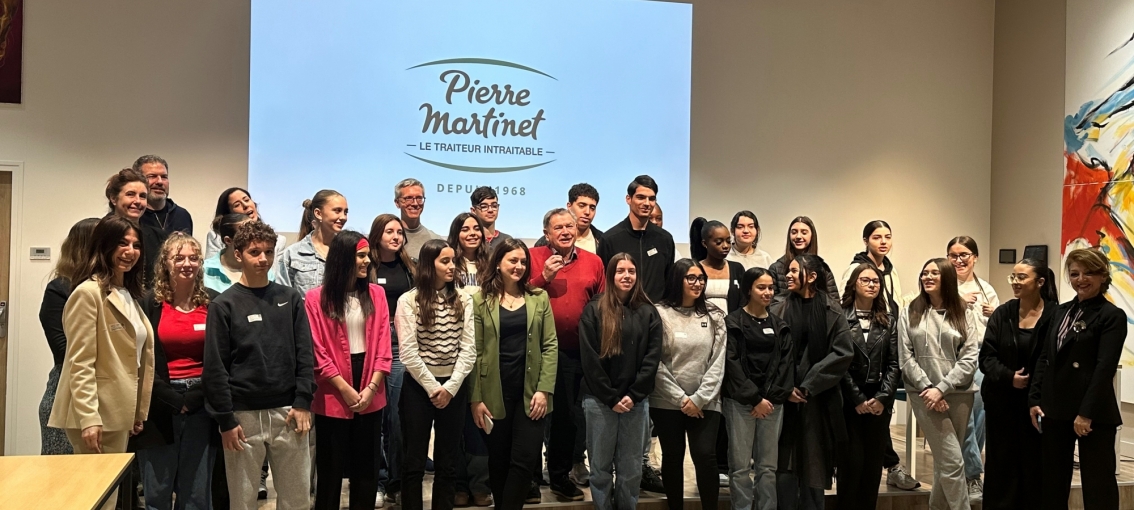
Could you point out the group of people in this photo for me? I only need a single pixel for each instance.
(779, 374)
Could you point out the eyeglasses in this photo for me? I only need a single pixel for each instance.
(412, 200)
(692, 279)
(1018, 279)
(869, 282)
(930, 275)
(181, 259)
(488, 207)
(960, 256)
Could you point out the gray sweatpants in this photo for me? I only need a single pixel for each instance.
(945, 433)
(269, 436)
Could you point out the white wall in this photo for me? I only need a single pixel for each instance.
(1027, 132)
(846, 112)
(105, 82)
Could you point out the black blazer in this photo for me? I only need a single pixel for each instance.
(875, 362)
(165, 401)
(1000, 356)
(1077, 380)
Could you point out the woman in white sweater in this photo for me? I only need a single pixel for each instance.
(686, 397)
(436, 338)
(938, 355)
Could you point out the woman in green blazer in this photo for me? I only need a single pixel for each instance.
(516, 356)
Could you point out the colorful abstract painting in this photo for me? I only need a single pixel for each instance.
(1098, 132)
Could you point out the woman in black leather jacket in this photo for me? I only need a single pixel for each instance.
(868, 388)
(1012, 345)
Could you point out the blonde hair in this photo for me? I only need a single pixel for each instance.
(163, 288)
(1092, 261)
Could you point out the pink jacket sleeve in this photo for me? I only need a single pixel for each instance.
(383, 353)
(322, 337)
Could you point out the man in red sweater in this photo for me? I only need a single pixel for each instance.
(571, 278)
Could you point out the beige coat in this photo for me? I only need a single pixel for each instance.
(101, 383)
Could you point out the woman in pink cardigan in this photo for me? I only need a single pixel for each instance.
(350, 326)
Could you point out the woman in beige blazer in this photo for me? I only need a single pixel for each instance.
(104, 388)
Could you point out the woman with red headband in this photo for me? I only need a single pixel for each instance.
(350, 328)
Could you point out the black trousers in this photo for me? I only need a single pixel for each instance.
(1096, 465)
(672, 428)
(348, 447)
(513, 454)
(568, 441)
(889, 456)
(419, 418)
(1012, 458)
(860, 459)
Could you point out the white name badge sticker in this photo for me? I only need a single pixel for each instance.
(198, 327)
(679, 334)
(768, 331)
(381, 281)
(254, 318)
(652, 252)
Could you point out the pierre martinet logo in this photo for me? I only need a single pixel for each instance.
(473, 116)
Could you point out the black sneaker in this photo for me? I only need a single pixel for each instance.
(539, 479)
(534, 496)
(651, 479)
(566, 489)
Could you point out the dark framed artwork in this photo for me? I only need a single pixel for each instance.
(11, 50)
(1007, 256)
(1036, 251)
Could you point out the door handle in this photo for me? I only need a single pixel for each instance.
(3, 319)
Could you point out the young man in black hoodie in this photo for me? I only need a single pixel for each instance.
(259, 376)
(650, 245)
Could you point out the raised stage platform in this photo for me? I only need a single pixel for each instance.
(889, 497)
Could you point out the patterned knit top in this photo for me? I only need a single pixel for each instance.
(446, 348)
(439, 343)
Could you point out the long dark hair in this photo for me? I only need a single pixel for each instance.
(423, 279)
(811, 264)
(699, 231)
(108, 233)
(307, 224)
(340, 278)
(1047, 290)
(950, 298)
(878, 306)
(223, 206)
(971, 244)
(871, 227)
(377, 227)
(492, 281)
(611, 309)
(812, 248)
(480, 255)
(675, 291)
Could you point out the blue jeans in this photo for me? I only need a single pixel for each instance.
(606, 431)
(756, 440)
(184, 467)
(389, 473)
(974, 439)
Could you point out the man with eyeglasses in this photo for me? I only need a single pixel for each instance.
(409, 198)
(572, 277)
(486, 208)
(161, 212)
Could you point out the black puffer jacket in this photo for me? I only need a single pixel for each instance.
(875, 362)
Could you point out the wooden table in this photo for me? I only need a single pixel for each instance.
(60, 481)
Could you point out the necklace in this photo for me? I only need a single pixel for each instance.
(161, 223)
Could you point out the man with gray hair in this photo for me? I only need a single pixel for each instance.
(409, 198)
(161, 212)
(571, 277)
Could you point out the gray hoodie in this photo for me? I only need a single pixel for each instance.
(693, 359)
(933, 353)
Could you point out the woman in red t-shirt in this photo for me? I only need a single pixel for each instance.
(177, 448)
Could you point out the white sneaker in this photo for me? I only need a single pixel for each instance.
(380, 501)
(724, 480)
